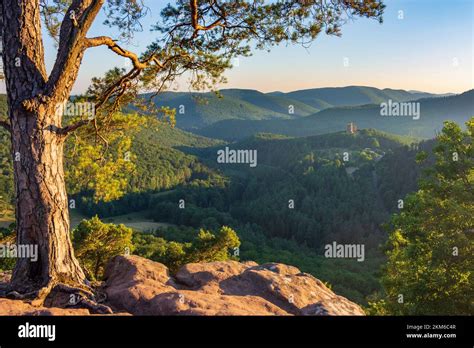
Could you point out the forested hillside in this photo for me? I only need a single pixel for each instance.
(334, 200)
(197, 110)
(433, 111)
(159, 166)
(323, 98)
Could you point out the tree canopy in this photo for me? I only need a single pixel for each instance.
(431, 242)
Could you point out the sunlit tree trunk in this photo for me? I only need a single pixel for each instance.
(42, 217)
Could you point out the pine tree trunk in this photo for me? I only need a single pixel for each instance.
(42, 214)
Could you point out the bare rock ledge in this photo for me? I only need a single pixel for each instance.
(143, 287)
(138, 286)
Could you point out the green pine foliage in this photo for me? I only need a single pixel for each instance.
(95, 243)
(206, 246)
(431, 243)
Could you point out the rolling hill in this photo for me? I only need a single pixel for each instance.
(166, 136)
(433, 111)
(284, 152)
(197, 110)
(322, 98)
(204, 109)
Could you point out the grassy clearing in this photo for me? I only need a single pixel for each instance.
(137, 221)
(7, 215)
(5, 221)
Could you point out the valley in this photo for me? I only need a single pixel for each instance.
(314, 183)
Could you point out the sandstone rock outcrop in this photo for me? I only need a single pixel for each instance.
(17, 307)
(137, 286)
(143, 287)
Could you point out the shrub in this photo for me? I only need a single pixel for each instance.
(96, 242)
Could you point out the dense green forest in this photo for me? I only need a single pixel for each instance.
(334, 199)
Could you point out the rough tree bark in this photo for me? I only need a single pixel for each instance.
(42, 206)
(42, 215)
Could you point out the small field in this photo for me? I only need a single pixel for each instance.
(5, 221)
(137, 221)
(7, 215)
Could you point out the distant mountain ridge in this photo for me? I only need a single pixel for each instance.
(433, 112)
(199, 110)
(323, 98)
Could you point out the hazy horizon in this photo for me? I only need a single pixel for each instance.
(226, 87)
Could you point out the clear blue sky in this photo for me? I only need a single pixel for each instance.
(430, 49)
